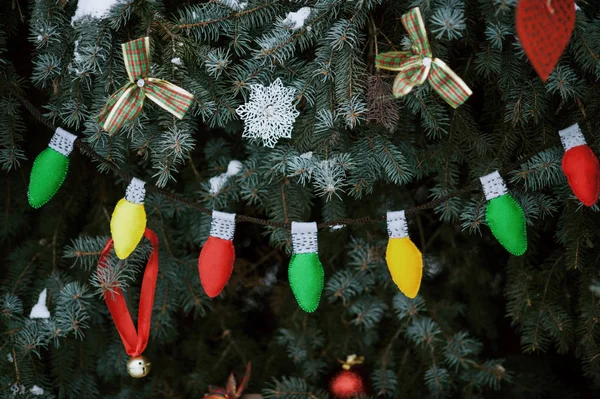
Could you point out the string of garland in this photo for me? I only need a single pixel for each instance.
(88, 151)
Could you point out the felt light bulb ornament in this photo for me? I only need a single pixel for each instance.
(504, 215)
(50, 168)
(404, 259)
(215, 263)
(348, 383)
(128, 221)
(580, 165)
(305, 273)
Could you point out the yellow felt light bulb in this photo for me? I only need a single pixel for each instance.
(128, 221)
(404, 259)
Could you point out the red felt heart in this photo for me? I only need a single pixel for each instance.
(544, 28)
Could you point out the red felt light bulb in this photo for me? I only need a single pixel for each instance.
(580, 165)
(215, 263)
(348, 383)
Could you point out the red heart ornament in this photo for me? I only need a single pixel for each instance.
(544, 28)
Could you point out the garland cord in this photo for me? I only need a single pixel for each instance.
(88, 151)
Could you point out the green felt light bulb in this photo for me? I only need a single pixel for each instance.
(504, 215)
(305, 273)
(50, 168)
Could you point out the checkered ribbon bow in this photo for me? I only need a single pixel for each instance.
(127, 103)
(416, 66)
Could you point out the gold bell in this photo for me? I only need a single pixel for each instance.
(138, 366)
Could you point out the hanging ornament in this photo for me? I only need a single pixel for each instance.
(270, 113)
(348, 383)
(418, 65)
(215, 263)
(306, 274)
(580, 165)
(232, 390)
(138, 366)
(504, 215)
(128, 220)
(134, 341)
(544, 28)
(127, 103)
(404, 259)
(50, 168)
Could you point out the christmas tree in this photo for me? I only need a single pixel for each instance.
(290, 183)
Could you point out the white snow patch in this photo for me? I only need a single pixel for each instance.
(217, 182)
(234, 168)
(76, 53)
(37, 391)
(40, 311)
(338, 227)
(296, 19)
(176, 61)
(93, 9)
(40, 38)
(306, 155)
(17, 389)
(9, 357)
(270, 277)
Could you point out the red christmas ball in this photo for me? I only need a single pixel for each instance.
(346, 384)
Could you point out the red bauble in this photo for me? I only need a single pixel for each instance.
(544, 28)
(581, 167)
(215, 264)
(347, 384)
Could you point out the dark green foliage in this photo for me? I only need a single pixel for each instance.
(485, 324)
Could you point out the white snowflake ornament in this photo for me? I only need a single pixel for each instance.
(270, 113)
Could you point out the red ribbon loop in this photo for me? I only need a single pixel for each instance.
(134, 341)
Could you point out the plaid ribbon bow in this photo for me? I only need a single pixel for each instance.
(416, 66)
(127, 103)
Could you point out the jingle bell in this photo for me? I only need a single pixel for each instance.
(138, 366)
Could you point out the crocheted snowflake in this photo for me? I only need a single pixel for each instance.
(269, 114)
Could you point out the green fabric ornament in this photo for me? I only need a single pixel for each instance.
(305, 273)
(50, 168)
(504, 215)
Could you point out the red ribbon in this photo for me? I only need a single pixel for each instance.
(134, 341)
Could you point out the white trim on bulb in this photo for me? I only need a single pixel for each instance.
(571, 137)
(493, 185)
(62, 141)
(396, 224)
(304, 237)
(136, 192)
(222, 225)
